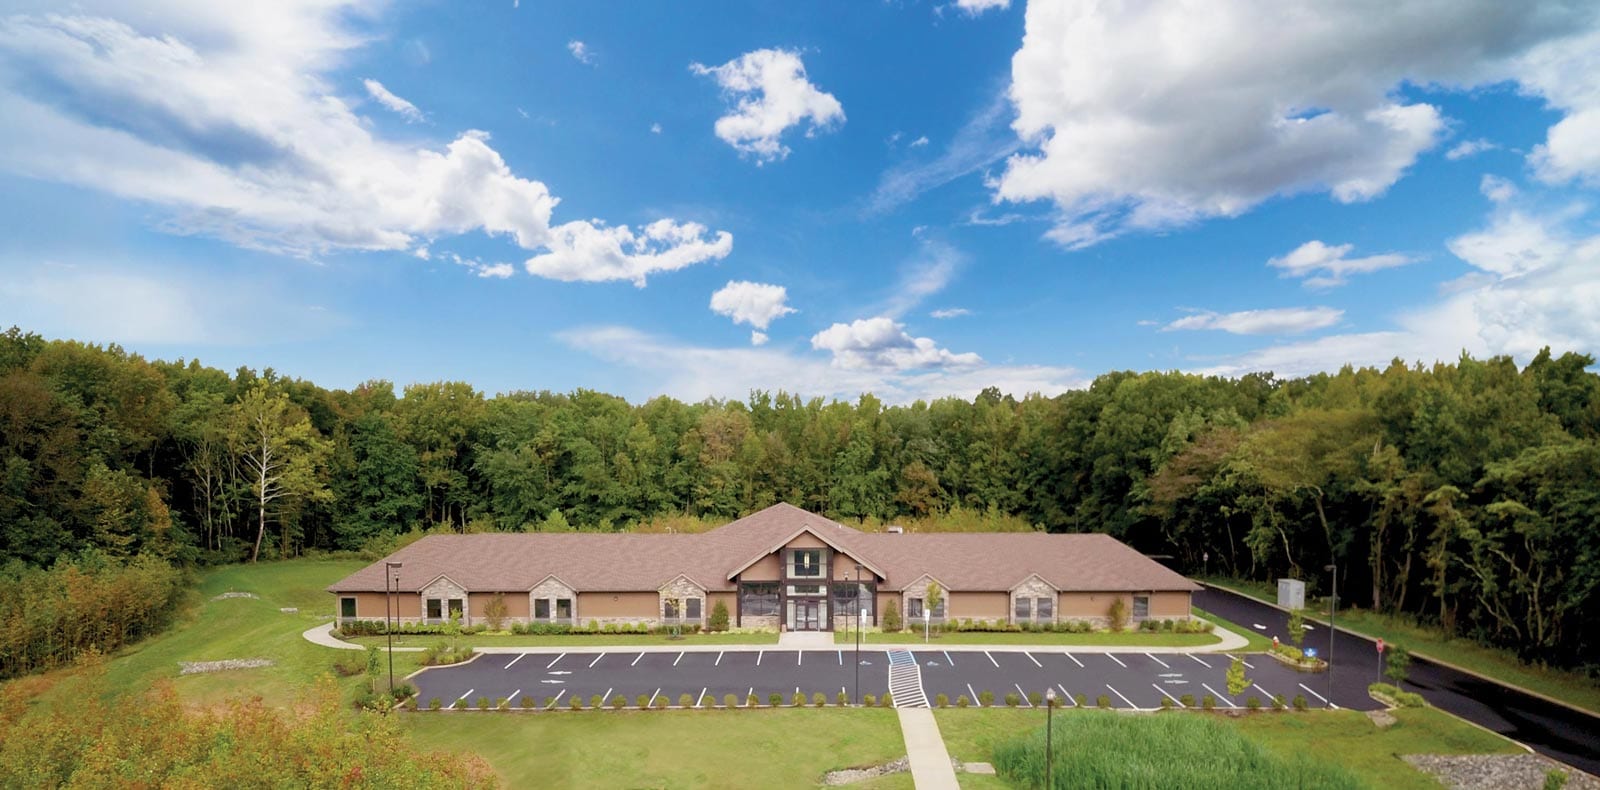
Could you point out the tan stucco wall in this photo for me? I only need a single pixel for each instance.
(369, 605)
(516, 604)
(728, 599)
(1081, 605)
(1169, 605)
(641, 605)
(978, 605)
(805, 540)
(765, 570)
(844, 569)
(883, 603)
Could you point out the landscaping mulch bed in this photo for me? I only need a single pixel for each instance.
(1496, 771)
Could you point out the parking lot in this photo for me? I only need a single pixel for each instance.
(1127, 680)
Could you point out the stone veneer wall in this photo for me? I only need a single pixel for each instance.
(445, 589)
(683, 589)
(844, 623)
(552, 589)
(759, 621)
(1035, 588)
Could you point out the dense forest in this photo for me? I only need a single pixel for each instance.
(1467, 494)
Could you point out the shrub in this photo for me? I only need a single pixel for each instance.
(719, 617)
(986, 699)
(618, 702)
(843, 699)
(483, 703)
(1082, 700)
(1254, 703)
(730, 701)
(1208, 702)
(575, 702)
(500, 703)
(1035, 698)
(1013, 699)
(1396, 664)
(597, 701)
(1555, 779)
(1118, 614)
(1403, 699)
(435, 703)
(349, 663)
(962, 701)
(495, 612)
(403, 691)
(819, 699)
(891, 617)
(642, 701)
(1166, 703)
(1279, 703)
(661, 703)
(941, 701)
(752, 701)
(869, 700)
(886, 701)
(1102, 701)
(1187, 700)
(685, 701)
(1300, 702)
(799, 700)
(774, 699)
(466, 704)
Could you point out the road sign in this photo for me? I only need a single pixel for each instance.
(1380, 645)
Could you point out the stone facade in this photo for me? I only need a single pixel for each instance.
(1036, 588)
(844, 623)
(683, 589)
(445, 589)
(761, 621)
(552, 588)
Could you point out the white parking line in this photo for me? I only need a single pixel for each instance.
(1075, 661)
(511, 701)
(653, 695)
(1024, 694)
(1124, 699)
(991, 660)
(597, 659)
(1219, 695)
(799, 657)
(1197, 658)
(519, 657)
(679, 658)
(1070, 700)
(1034, 660)
(719, 659)
(556, 700)
(1118, 660)
(948, 661)
(702, 698)
(1158, 661)
(841, 658)
(974, 695)
(462, 697)
(1270, 698)
(636, 660)
(553, 663)
(1318, 696)
(759, 654)
(1168, 696)
(606, 696)
(749, 694)
(1247, 664)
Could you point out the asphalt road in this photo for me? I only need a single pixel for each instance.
(1554, 730)
(1128, 680)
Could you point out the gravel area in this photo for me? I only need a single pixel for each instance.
(201, 667)
(1496, 771)
(853, 775)
(227, 595)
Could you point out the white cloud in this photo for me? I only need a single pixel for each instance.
(950, 312)
(883, 343)
(976, 7)
(655, 128)
(499, 271)
(223, 116)
(1151, 115)
(693, 373)
(1497, 189)
(773, 95)
(1534, 286)
(934, 266)
(1276, 321)
(919, 142)
(581, 51)
(756, 304)
(395, 104)
(758, 338)
(982, 141)
(1331, 265)
(1469, 148)
(592, 252)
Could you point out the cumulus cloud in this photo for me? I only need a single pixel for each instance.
(1276, 321)
(1497, 189)
(883, 343)
(1469, 148)
(223, 117)
(919, 142)
(976, 7)
(1151, 115)
(950, 312)
(758, 338)
(1332, 264)
(756, 304)
(693, 373)
(592, 252)
(773, 95)
(395, 104)
(581, 52)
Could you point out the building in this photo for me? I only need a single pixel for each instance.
(781, 567)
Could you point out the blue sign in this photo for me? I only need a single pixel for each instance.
(1311, 652)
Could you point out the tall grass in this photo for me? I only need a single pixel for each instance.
(1112, 750)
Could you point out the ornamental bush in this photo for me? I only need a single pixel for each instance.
(774, 699)
(1035, 698)
(1208, 702)
(730, 701)
(941, 701)
(1300, 702)
(642, 701)
(799, 700)
(1013, 699)
(819, 699)
(1102, 701)
(575, 702)
(719, 617)
(596, 701)
(869, 700)
(1254, 703)
(752, 701)
(619, 702)
(685, 701)
(1187, 700)
(962, 701)
(891, 617)
(843, 699)
(886, 701)
(986, 699)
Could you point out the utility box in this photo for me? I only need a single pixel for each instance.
(1291, 593)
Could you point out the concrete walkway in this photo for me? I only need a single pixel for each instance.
(930, 761)
(807, 640)
(323, 635)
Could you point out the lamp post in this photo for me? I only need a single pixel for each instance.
(1333, 629)
(390, 569)
(861, 612)
(1049, 711)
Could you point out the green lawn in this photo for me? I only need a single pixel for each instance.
(1257, 642)
(572, 640)
(1125, 639)
(784, 747)
(1344, 737)
(1569, 687)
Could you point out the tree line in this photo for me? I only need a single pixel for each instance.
(1462, 493)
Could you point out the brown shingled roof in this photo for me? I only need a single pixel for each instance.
(644, 562)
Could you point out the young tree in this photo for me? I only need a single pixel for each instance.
(281, 453)
(495, 612)
(719, 616)
(1396, 664)
(891, 617)
(1297, 626)
(1237, 682)
(1117, 613)
(934, 599)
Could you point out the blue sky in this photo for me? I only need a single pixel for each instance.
(915, 199)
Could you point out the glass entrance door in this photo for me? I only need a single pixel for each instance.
(805, 616)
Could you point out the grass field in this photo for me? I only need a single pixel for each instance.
(1126, 639)
(571, 640)
(1569, 687)
(1343, 737)
(712, 748)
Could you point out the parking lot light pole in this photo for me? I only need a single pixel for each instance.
(390, 569)
(1049, 711)
(861, 613)
(1333, 629)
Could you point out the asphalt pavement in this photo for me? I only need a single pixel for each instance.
(1554, 730)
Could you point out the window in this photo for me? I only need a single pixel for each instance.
(669, 609)
(455, 608)
(435, 609)
(541, 608)
(796, 590)
(563, 608)
(806, 563)
(692, 608)
(758, 600)
(914, 607)
(1141, 606)
(347, 608)
(1044, 609)
(850, 598)
(1024, 610)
